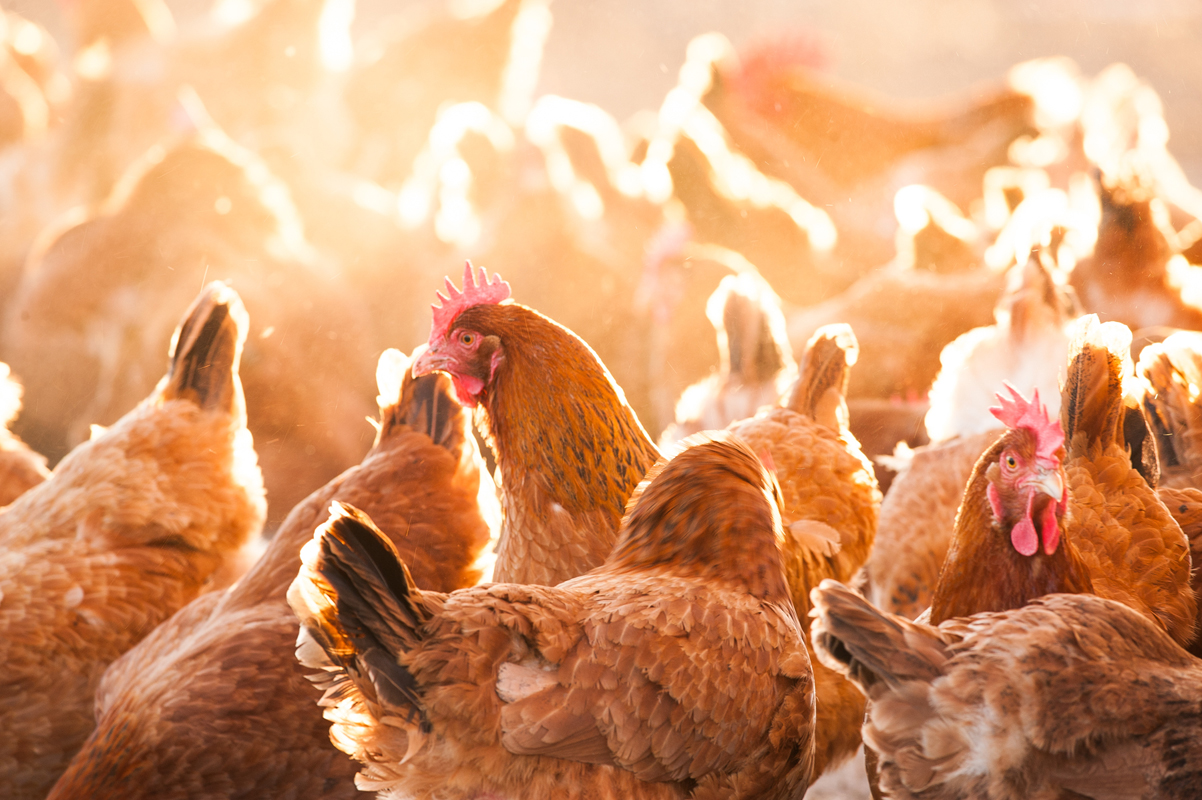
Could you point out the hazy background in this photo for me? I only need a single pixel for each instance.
(624, 54)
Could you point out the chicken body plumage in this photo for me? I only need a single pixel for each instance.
(1069, 696)
(831, 502)
(130, 527)
(676, 669)
(213, 704)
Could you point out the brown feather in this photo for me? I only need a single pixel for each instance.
(569, 449)
(676, 669)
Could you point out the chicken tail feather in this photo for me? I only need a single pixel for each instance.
(821, 391)
(858, 640)
(357, 602)
(425, 404)
(206, 350)
(1173, 370)
(747, 314)
(1092, 407)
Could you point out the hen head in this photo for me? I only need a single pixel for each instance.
(1027, 484)
(461, 343)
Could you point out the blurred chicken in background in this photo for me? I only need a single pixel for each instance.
(20, 467)
(97, 297)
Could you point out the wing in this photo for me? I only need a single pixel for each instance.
(1135, 551)
(665, 687)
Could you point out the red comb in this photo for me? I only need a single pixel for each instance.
(476, 292)
(1017, 412)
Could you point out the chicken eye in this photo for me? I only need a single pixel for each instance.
(1011, 462)
(466, 339)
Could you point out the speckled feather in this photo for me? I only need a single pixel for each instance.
(1173, 370)
(569, 448)
(129, 528)
(824, 479)
(918, 517)
(678, 661)
(1069, 694)
(214, 704)
(1134, 549)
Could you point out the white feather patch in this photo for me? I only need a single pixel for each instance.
(519, 681)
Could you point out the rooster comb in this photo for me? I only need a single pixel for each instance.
(1017, 412)
(477, 291)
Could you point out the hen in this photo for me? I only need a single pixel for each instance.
(1027, 346)
(848, 152)
(569, 449)
(20, 468)
(1119, 541)
(1132, 276)
(96, 300)
(756, 361)
(213, 704)
(918, 516)
(130, 527)
(676, 669)
(1069, 696)
(906, 312)
(829, 512)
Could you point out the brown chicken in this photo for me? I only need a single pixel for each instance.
(829, 512)
(1119, 539)
(849, 152)
(213, 704)
(491, 58)
(1026, 346)
(1173, 370)
(676, 669)
(569, 450)
(21, 469)
(1069, 696)
(906, 312)
(756, 362)
(131, 526)
(918, 517)
(1132, 276)
(96, 300)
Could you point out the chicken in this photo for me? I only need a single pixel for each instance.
(569, 450)
(729, 202)
(1133, 276)
(756, 360)
(1069, 696)
(96, 300)
(675, 669)
(1173, 370)
(1027, 346)
(131, 526)
(907, 311)
(225, 663)
(830, 510)
(491, 58)
(918, 516)
(848, 152)
(1119, 539)
(20, 468)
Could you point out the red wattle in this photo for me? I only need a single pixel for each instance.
(1023, 535)
(1024, 538)
(467, 389)
(1051, 530)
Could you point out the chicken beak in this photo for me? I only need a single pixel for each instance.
(428, 359)
(1049, 482)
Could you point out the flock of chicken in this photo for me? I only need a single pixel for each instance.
(957, 531)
